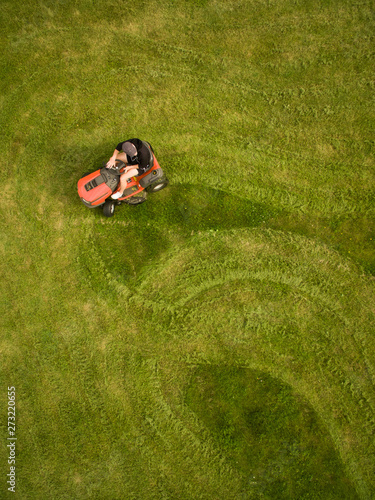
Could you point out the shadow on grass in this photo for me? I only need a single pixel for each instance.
(137, 236)
(193, 208)
(271, 437)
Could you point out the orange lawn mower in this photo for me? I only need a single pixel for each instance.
(95, 188)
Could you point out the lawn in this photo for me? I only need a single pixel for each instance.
(217, 341)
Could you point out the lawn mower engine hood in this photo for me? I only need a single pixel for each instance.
(95, 188)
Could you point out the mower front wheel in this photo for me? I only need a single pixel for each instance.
(109, 208)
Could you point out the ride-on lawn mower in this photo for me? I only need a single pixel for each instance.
(96, 188)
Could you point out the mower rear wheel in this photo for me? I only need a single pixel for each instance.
(157, 186)
(109, 208)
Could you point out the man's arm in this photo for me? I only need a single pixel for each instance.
(112, 160)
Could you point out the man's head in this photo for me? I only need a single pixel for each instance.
(130, 150)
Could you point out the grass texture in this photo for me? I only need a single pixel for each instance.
(216, 342)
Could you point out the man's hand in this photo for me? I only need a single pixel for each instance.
(111, 162)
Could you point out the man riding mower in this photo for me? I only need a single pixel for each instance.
(131, 173)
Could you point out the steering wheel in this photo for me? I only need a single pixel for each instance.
(119, 164)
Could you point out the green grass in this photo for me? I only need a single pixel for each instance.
(215, 342)
(245, 409)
